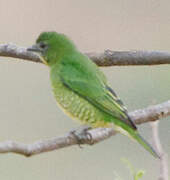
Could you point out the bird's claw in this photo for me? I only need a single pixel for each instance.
(82, 133)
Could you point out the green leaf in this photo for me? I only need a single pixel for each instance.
(139, 174)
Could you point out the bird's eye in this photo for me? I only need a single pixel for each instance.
(43, 45)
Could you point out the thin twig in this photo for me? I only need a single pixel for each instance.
(140, 116)
(107, 58)
(160, 151)
(151, 113)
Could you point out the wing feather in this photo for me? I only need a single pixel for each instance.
(89, 82)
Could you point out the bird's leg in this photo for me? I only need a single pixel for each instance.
(82, 133)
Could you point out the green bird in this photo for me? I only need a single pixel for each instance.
(81, 89)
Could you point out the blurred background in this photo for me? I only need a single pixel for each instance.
(28, 111)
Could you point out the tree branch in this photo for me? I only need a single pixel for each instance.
(140, 116)
(108, 58)
(159, 149)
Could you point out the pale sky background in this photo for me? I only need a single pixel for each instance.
(28, 110)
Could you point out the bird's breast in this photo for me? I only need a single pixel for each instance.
(77, 107)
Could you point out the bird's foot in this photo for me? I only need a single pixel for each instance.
(82, 133)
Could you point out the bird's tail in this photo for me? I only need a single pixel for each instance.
(146, 145)
(136, 136)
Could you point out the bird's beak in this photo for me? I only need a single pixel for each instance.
(34, 48)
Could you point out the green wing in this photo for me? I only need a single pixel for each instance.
(85, 78)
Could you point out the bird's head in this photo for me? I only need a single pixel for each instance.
(52, 46)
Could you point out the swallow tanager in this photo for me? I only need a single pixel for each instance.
(81, 89)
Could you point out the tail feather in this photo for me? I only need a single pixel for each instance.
(133, 134)
(146, 145)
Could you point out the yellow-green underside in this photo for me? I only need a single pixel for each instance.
(79, 108)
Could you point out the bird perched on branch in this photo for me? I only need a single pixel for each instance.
(81, 88)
